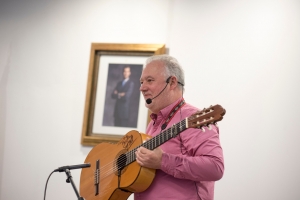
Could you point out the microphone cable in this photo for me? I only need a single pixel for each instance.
(47, 184)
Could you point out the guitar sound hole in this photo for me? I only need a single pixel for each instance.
(121, 162)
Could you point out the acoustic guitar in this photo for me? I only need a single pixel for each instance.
(115, 175)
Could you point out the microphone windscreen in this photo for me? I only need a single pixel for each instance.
(148, 101)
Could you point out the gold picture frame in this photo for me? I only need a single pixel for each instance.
(98, 51)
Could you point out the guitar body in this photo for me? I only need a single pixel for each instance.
(115, 182)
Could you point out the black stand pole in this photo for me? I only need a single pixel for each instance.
(70, 180)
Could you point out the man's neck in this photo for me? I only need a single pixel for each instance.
(171, 99)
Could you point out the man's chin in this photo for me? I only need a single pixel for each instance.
(147, 105)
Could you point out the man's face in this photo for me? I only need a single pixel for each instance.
(152, 83)
(126, 72)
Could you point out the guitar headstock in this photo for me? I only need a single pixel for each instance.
(206, 116)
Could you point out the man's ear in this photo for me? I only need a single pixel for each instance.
(173, 82)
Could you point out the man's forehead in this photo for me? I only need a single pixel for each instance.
(157, 63)
(152, 70)
(153, 67)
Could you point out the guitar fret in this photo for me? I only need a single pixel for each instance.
(168, 134)
(130, 157)
(153, 144)
(159, 141)
(180, 126)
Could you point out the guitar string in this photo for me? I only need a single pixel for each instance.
(111, 170)
(114, 169)
(131, 152)
(136, 148)
(154, 140)
(131, 155)
(149, 142)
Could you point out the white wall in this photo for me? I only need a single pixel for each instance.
(243, 55)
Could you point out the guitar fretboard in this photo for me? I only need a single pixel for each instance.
(158, 140)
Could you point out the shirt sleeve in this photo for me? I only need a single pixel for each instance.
(201, 157)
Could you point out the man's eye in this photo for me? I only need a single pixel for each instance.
(147, 81)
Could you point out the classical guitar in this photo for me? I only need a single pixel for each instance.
(114, 174)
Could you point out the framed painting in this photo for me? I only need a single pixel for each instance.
(114, 105)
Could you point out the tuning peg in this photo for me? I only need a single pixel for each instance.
(203, 129)
(216, 124)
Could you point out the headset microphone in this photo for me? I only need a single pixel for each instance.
(148, 101)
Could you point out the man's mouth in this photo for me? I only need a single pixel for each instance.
(146, 96)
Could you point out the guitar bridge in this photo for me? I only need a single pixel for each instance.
(97, 177)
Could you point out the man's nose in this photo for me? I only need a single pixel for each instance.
(142, 87)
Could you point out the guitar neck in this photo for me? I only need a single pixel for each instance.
(201, 118)
(158, 139)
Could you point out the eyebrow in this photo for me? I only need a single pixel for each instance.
(147, 77)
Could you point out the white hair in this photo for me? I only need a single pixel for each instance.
(172, 67)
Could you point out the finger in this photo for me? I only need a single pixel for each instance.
(143, 150)
(139, 154)
(139, 159)
(139, 150)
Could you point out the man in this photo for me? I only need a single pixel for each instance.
(122, 94)
(189, 164)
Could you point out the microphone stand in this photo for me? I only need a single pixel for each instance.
(70, 180)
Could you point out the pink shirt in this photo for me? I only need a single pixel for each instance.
(191, 162)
